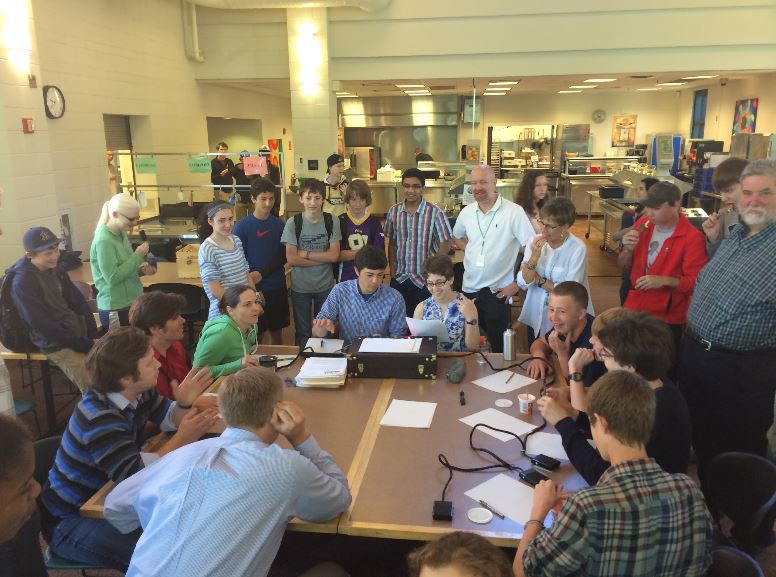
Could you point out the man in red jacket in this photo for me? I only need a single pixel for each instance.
(665, 254)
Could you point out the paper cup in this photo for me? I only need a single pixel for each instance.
(525, 401)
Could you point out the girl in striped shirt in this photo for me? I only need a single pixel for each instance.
(222, 261)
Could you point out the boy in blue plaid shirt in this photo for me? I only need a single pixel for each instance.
(637, 520)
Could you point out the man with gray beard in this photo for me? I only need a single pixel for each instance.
(729, 348)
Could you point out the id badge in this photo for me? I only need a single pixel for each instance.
(480, 260)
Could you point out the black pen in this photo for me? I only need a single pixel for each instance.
(462, 398)
(491, 509)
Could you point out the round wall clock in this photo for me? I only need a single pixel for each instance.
(53, 101)
(599, 116)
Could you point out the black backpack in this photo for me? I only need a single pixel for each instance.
(328, 222)
(14, 333)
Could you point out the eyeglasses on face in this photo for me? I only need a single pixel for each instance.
(408, 186)
(548, 225)
(129, 218)
(436, 284)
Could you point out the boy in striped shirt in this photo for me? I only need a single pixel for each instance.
(103, 439)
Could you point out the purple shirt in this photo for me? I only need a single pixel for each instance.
(356, 235)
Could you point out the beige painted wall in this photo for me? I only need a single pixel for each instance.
(108, 57)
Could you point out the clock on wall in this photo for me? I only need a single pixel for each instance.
(599, 116)
(53, 101)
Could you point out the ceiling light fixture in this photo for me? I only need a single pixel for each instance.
(410, 86)
(499, 88)
(585, 86)
(342, 93)
(417, 91)
(347, 95)
(568, 91)
(600, 80)
(647, 89)
(503, 83)
(494, 94)
(702, 77)
(671, 83)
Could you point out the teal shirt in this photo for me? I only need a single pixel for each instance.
(222, 346)
(114, 270)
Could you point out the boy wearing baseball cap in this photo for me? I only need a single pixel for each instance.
(61, 323)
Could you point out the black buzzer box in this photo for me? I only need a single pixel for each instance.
(393, 365)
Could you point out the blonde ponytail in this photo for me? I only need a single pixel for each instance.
(104, 216)
(122, 202)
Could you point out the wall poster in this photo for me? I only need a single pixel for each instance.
(624, 130)
(745, 116)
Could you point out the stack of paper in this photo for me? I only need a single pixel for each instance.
(326, 372)
(378, 345)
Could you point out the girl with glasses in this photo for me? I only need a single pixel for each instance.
(116, 268)
(457, 312)
(553, 256)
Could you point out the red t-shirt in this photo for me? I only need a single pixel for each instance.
(174, 367)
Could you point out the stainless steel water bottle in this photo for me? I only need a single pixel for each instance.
(509, 345)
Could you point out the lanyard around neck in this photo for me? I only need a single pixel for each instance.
(492, 216)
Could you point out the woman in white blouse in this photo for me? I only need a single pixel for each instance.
(553, 256)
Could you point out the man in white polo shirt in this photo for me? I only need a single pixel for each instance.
(491, 231)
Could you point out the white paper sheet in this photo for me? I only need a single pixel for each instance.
(411, 414)
(497, 382)
(496, 418)
(322, 367)
(329, 346)
(422, 328)
(376, 345)
(547, 444)
(506, 495)
(285, 360)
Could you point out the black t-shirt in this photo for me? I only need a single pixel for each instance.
(595, 369)
(21, 556)
(216, 166)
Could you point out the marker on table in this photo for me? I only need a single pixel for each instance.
(491, 509)
(510, 376)
(462, 398)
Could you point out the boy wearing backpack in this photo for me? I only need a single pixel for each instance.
(60, 322)
(312, 247)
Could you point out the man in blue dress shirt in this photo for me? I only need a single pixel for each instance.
(219, 507)
(365, 306)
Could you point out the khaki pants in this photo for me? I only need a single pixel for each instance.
(73, 364)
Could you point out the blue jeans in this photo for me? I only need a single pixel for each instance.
(93, 541)
(123, 319)
(303, 319)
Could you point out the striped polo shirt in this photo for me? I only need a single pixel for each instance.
(228, 267)
(101, 443)
(417, 236)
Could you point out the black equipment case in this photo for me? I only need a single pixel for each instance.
(420, 365)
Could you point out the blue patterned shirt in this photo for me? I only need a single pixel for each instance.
(417, 236)
(734, 304)
(455, 323)
(219, 507)
(638, 521)
(383, 313)
(228, 267)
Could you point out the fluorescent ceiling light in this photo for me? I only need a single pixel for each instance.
(410, 86)
(499, 88)
(568, 91)
(702, 77)
(647, 89)
(347, 95)
(503, 83)
(600, 80)
(494, 94)
(585, 86)
(419, 94)
(342, 93)
(671, 83)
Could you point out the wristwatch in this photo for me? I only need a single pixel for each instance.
(473, 322)
(575, 377)
(542, 280)
(530, 266)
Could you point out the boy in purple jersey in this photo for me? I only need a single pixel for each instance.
(359, 228)
(260, 234)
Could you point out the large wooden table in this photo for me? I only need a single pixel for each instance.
(393, 472)
(166, 272)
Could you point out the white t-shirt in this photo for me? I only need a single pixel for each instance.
(659, 237)
(494, 239)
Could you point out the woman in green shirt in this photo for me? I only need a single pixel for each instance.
(227, 342)
(116, 268)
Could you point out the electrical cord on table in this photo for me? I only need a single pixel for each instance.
(502, 464)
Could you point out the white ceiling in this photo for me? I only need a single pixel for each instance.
(526, 85)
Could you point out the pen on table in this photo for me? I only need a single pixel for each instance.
(510, 376)
(321, 344)
(491, 509)
(462, 398)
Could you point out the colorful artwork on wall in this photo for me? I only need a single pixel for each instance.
(745, 117)
(624, 130)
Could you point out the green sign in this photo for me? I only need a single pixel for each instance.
(199, 164)
(145, 165)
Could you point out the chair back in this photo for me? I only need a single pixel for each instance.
(193, 295)
(732, 562)
(45, 452)
(84, 289)
(742, 487)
